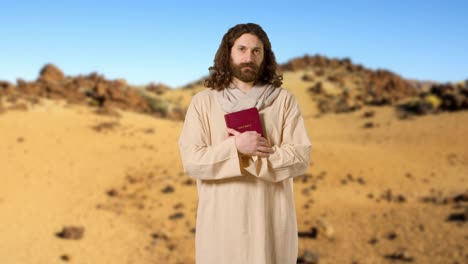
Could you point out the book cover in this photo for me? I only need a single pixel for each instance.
(244, 120)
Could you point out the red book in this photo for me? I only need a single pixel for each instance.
(244, 120)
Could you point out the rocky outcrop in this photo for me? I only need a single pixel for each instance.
(93, 90)
(338, 85)
(440, 97)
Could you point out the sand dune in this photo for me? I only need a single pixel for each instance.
(396, 191)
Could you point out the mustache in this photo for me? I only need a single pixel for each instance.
(248, 64)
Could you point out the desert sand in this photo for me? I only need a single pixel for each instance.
(394, 191)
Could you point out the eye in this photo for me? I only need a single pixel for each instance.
(242, 48)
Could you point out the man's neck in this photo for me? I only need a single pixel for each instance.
(243, 86)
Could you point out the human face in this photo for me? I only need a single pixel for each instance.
(247, 58)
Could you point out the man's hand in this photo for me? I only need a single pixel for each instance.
(251, 143)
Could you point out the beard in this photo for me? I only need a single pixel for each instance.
(246, 72)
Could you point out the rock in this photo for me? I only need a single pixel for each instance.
(317, 88)
(391, 236)
(176, 215)
(326, 229)
(400, 198)
(71, 232)
(105, 126)
(312, 233)
(306, 191)
(459, 198)
(178, 206)
(189, 182)
(368, 125)
(65, 257)
(336, 79)
(457, 217)
(368, 114)
(112, 193)
(171, 247)
(400, 255)
(307, 77)
(51, 74)
(149, 131)
(361, 181)
(168, 189)
(308, 257)
(6, 88)
(157, 89)
(373, 241)
(159, 236)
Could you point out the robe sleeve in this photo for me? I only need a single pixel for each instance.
(292, 156)
(200, 159)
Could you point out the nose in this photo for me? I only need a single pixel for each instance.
(248, 57)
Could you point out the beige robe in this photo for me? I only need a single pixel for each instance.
(246, 212)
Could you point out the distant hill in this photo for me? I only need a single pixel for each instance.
(335, 85)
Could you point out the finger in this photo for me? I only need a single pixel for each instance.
(232, 131)
(262, 154)
(265, 149)
(264, 144)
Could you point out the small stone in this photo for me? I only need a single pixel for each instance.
(421, 227)
(149, 131)
(400, 198)
(361, 181)
(171, 247)
(308, 257)
(112, 193)
(168, 189)
(71, 232)
(400, 254)
(178, 206)
(457, 217)
(368, 114)
(326, 228)
(188, 182)
(309, 234)
(159, 236)
(176, 215)
(65, 257)
(368, 125)
(391, 236)
(460, 198)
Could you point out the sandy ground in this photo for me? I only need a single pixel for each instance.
(371, 195)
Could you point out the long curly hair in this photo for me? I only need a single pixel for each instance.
(221, 74)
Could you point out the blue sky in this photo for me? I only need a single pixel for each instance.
(174, 42)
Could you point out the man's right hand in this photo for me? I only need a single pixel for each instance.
(251, 143)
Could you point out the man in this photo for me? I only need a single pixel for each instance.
(246, 212)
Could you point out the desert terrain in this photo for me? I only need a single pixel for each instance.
(92, 174)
